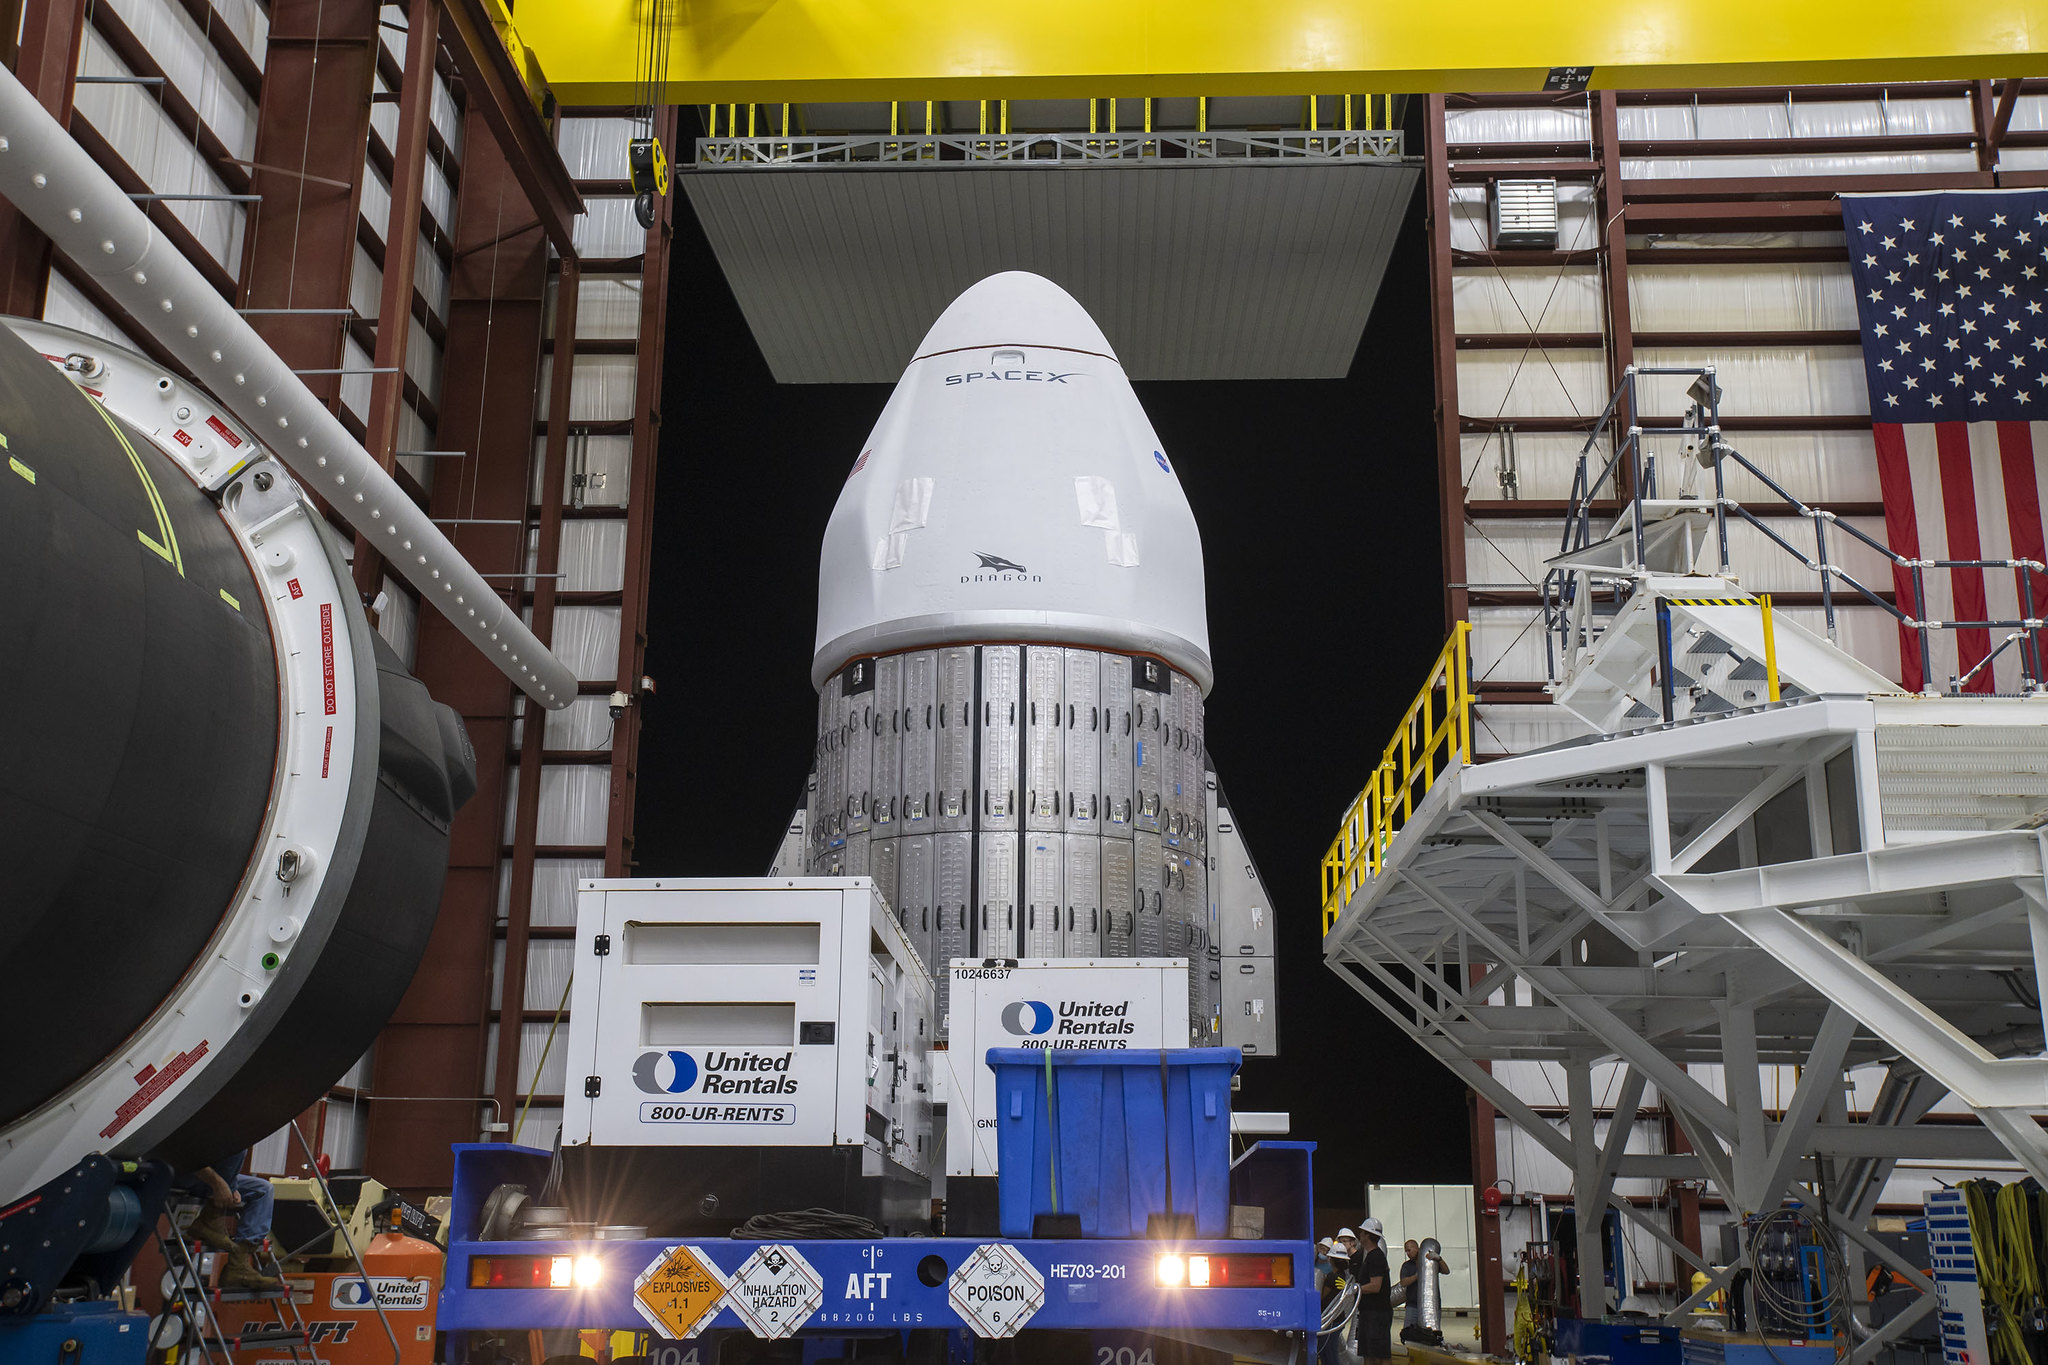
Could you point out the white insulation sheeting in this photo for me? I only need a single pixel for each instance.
(1813, 466)
(595, 148)
(190, 61)
(607, 229)
(601, 387)
(607, 306)
(67, 306)
(1673, 125)
(584, 724)
(554, 888)
(157, 149)
(1534, 381)
(1507, 644)
(1781, 297)
(1516, 301)
(1577, 225)
(1550, 124)
(587, 641)
(593, 555)
(575, 799)
(535, 1075)
(548, 961)
(1784, 119)
(1518, 727)
(1513, 552)
(1814, 164)
(1761, 381)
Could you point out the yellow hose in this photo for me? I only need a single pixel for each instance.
(2008, 1268)
(1525, 1319)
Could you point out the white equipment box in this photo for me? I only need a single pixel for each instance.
(1444, 1212)
(750, 1012)
(1106, 1003)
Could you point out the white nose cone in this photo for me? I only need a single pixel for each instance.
(1013, 491)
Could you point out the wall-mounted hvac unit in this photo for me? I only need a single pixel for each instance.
(1524, 214)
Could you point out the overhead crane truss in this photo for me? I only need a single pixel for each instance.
(1042, 149)
(725, 51)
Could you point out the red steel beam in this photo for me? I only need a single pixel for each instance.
(494, 88)
(618, 857)
(45, 62)
(1443, 325)
(1485, 1173)
(401, 238)
(314, 121)
(430, 1059)
(525, 824)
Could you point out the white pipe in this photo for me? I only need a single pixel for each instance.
(63, 191)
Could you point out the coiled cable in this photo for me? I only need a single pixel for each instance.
(804, 1224)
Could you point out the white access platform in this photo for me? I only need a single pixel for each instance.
(1846, 875)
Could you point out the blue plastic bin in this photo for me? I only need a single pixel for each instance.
(1106, 1136)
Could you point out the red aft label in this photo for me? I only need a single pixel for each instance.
(180, 437)
(158, 1082)
(292, 586)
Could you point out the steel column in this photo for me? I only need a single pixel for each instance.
(654, 286)
(1588, 1205)
(1613, 245)
(314, 120)
(46, 62)
(434, 1046)
(496, 92)
(1748, 1150)
(401, 238)
(1485, 1174)
(1443, 335)
(506, 1084)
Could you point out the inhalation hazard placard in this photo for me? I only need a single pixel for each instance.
(775, 1292)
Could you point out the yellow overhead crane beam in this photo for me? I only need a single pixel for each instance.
(775, 51)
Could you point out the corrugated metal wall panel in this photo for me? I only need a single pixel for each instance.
(1197, 271)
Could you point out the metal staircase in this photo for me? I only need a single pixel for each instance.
(194, 1303)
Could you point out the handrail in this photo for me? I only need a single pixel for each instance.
(1426, 744)
(1567, 627)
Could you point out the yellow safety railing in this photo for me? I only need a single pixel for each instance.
(1436, 733)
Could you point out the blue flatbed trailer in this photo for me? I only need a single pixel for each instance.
(977, 1289)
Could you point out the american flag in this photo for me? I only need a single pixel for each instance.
(1952, 294)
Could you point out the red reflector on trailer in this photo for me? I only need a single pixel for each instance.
(1241, 1270)
(519, 1272)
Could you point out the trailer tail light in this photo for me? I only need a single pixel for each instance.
(522, 1272)
(1241, 1270)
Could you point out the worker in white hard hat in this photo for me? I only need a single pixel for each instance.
(1333, 1346)
(1375, 1294)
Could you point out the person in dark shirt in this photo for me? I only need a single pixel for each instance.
(1412, 1327)
(1375, 1295)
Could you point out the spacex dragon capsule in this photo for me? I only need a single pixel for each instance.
(1012, 653)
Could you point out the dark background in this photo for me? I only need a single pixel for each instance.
(1317, 503)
